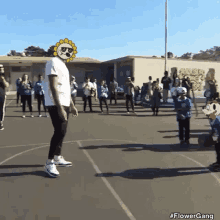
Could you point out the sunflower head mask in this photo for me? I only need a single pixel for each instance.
(65, 49)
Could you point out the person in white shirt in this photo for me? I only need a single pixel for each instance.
(59, 103)
(95, 89)
(74, 87)
(87, 89)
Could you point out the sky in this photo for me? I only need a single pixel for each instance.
(107, 30)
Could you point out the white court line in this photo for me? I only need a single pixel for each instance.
(96, 168)
(20, 154)
(189, 158)
(121, 203)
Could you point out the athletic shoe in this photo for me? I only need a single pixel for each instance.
(39, 116)
(213, 165)
(60, 161)
(1, 127)
(182, 142)
(23, 116)
(187, 142)
(128, 112)
(47, 116)
(101, 112)
(50, 169)
(32, 116)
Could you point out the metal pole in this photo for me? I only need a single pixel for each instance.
(166, 35)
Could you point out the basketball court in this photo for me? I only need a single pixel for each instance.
(124, 167)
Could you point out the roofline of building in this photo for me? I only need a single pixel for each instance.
(18, 59)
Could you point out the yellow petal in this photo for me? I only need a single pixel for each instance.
(73, 45)
(57, 44)
(55, 53)
(68, 60)
(71, 58)
(70, 42)
(66, 40)
(55, 48)
(75, 52)
(61, 41)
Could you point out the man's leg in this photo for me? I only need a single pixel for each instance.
(60, 128)
(2, 111)
(85, 102)
(90, 103)
(100, 104)
(18, 97)
(132, 102)
(38, 103)
(106, 104)
(29, 100)
(127, 102)
(24, 98)
(116, 98)
(187, 129)
(164, 95)
(181, 130)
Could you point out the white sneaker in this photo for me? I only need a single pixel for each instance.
(23, 116)
(50, 169)
(32, 116)
(39, 116)
(60, 161)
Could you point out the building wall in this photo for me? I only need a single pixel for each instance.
(155, 68)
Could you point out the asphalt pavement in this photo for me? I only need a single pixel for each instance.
(124, 167)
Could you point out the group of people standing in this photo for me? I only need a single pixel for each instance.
(26, 91)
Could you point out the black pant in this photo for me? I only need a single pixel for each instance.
(217, 150)
(18, 95)
(155, 108)
(102, 99)
(89, 98)
(40, 98)
(113, 96)
(129, 98)
(2, 107)
(60, 128)
(28, 99)
(184, 125)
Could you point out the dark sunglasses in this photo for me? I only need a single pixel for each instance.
(63, 49)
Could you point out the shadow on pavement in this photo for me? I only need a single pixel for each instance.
(152, 147)
(19, 166)
(33, 173)
(191, 131)
(151, 173)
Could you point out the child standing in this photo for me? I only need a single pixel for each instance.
(103, 95)
(155, 100)
(183, 108)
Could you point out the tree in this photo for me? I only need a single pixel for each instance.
(50, 51)
(35, 51)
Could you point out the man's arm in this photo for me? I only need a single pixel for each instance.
(6, 84)
(53, 83)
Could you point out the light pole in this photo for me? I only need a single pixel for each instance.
(166, 35)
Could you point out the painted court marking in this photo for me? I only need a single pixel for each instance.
(116, 196)
(108, 185)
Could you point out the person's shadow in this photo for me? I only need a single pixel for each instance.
(151, 173)
(16, 171)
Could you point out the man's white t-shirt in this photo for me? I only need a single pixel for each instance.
(57, 67)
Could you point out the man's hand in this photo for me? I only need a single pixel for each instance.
(62, 114)
(74, 111)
